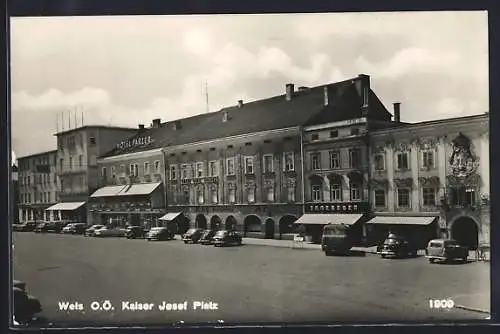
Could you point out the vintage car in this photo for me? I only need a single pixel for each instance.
(192, 235)
(28, 226)
(225, 238)
(91, 230)
(207, 237)
(446, 250)
(25, 306)
(160, 233)
(135, 232)
(74, 228)
(110, 232)
(397, 246)
(336, 239)
(49, 227)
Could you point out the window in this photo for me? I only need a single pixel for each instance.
(380, 197)
(157, 166)
(103, 172)
(355, 132)
(403, 198)
(113, 172)
(70, 162)
(355, 192)
(80, 160)
(251, 194)
(403, 161)
(230, 166)
(134, 170)
(62, 185)
(288, 164)
(314, 136)
(316, 193)
(92, 140)
(184, 172)
(173, 172)
(61, 164)
(335, 192)
(199, 169)
(291, 194)
(334, 134)
(215, 196)
(268, 163)
(212, 168)
(270, 194)
(470, 196)
(200, 195)
(379, 162)
(428, 159)
(316, 161)
(354, 155)
(146, 168)
(249, 165)
(232, 194)
(185, 194)
(429, 196)
(334, 160)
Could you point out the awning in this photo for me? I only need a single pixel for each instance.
(108, 191)
(402, 220)
(65, 206)
(139, 189)
(170, 216)
(324, 219)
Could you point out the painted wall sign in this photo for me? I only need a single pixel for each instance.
(134, 142)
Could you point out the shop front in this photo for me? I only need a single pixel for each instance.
(418, 230)
(67, 211)
(135, 205)
(317, 215)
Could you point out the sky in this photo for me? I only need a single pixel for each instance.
(127, 71)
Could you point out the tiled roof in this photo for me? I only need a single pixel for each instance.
(306, 107)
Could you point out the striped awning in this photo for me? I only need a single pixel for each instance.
(170, 216)
(401, 220)
(65, 206)
(108, 191)
(325, 219)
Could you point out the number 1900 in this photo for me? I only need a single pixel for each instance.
(441, 303)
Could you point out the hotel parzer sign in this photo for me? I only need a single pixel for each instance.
(134, 142)
(345, 207)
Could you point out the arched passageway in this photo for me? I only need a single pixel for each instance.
(201, 221)
(231, 223)
(269, 229)
(215, 223)
(252, 224)
(465, 231)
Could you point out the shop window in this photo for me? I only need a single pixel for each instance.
(404, 198)
(379, 197)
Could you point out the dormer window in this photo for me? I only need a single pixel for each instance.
(315, 136)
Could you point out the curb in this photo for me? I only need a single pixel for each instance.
(473, 309)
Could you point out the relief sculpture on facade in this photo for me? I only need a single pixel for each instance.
(463, 161)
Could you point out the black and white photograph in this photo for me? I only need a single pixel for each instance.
(250, 169)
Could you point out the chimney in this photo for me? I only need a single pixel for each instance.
(141, 126)
(156, 123)
(225, 117)
(326, 94)
(177, 125)
(397, 112)
(289, 91)
(363, 87)
(240, 103)
(303, 88)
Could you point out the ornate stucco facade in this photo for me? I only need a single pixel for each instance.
(438, 168)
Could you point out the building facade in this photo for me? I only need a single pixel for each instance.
(77, 152)
(38, 185)
(438, 171)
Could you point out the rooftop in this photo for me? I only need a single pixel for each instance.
(85, 127)
(34, 155)
(305, 107)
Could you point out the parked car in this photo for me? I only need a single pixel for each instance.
(110, 232)
(90, 231)
(25, 306)
(192, 235)
(337, 239)
(134, 232)
(446, 250)
(74, 228)
(224, 238)
(160, 233)
(28, 226)
(207, 237)
(397, 246)
(46, 227)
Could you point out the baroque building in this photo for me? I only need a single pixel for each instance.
(37, 185)
(77, 152)
(433, 179)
